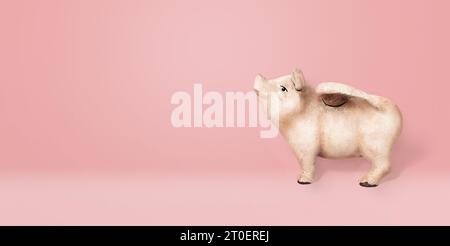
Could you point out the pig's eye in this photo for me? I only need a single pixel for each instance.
(283, 89)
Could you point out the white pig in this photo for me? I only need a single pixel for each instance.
(333, 120)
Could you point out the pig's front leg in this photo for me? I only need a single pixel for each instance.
(307, 163)
(303, 140)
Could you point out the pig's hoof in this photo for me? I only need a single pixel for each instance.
(367, 184)
(303, 182)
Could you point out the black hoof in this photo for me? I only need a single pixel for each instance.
(366, 184)
(303, 183)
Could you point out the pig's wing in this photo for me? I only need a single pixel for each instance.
(336, 94)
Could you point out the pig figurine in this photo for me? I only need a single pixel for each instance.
(333, 120)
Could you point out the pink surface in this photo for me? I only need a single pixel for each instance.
(85, 133)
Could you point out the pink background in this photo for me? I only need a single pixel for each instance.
(85, 133)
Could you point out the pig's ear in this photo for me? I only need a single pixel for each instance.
(298, 79)
(259, 78)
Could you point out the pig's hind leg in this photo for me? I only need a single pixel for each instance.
(380, 167)
(376, 147)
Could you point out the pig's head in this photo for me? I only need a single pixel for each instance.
(288, 91)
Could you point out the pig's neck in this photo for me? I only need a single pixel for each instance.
(289, 123)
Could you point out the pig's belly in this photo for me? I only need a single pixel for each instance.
(339, 139)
